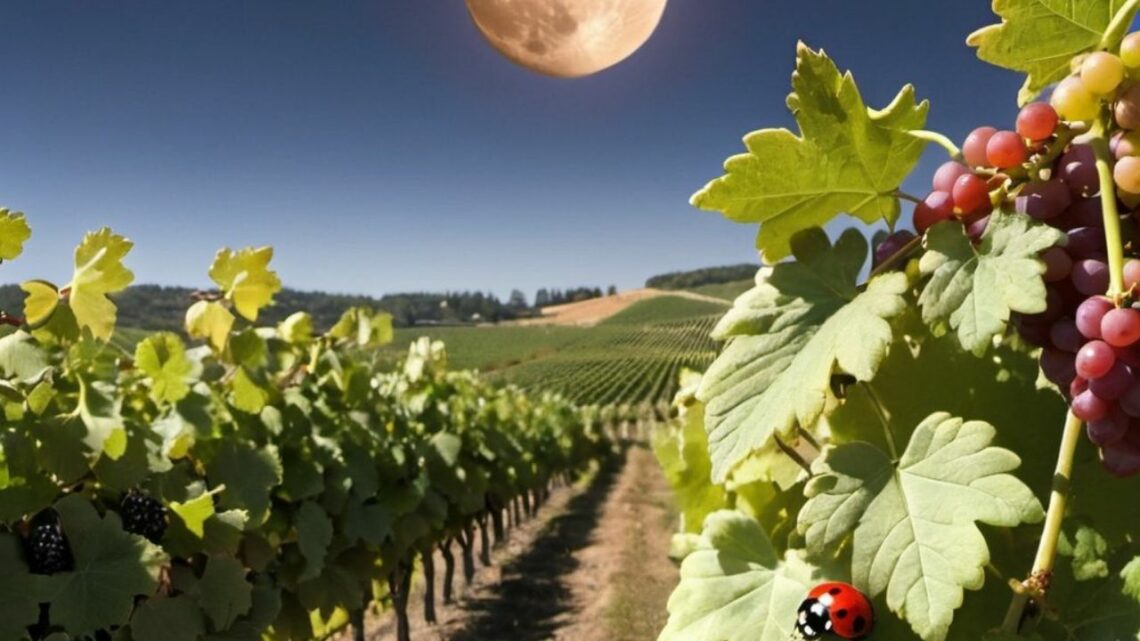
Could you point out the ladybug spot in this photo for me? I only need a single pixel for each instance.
(842, 614)
(859, 624)
(835, 590)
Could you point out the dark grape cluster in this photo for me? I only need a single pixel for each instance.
(143, 515)
(46, 545)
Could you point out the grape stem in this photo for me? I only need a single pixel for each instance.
(905, 196)
(1038, 582)
(1120, 23)
(938, 139)
(1110, 213)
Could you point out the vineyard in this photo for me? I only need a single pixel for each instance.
(258, 482)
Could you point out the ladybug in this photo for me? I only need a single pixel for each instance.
(835, 608)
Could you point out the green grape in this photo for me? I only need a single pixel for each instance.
(1130, 50)
(1073, 101)
(1101, 72)
(1126, 174)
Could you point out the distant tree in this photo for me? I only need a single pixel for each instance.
(542, 298)
(611, 290)
(597, 292)
(517, 300)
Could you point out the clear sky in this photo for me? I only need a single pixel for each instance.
(382, 146)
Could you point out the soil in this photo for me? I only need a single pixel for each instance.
(591, 312)
(592, 566)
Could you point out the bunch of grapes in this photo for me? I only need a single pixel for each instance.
(1046, 168)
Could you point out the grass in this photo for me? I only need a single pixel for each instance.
(727, 291)
(664, 309)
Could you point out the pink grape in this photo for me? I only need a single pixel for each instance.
(1120, 327)
(947, 173)
(977, 228)
(970, 193)
(1087, 407)
(1037, 120)
(974, 148)
(1131, 273)
(1094, 360)
(1090, 313)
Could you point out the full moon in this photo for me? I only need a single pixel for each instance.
(566, 38)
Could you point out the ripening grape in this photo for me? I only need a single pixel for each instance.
(1065, 336)
(1094, 360)
(1122, 458)
(1077, 167)
(970, 193)
(1043, 200)
(974, 148)
(976, 228)
(1090, 276)
(1126, 110)
(1130, 50)
(1073, 101)
(1037, 121)
(1087, 407)
(1126, 174)
(1006, 149)
(1101, 72)
(1131, 273)
(1057, 264)
(1120, 327)
(1109, 429)
(1124, 143)
(1130, 400)
(891, 245)
(1058, 367)
(947, 174)
(1089, 315)
(935, 208)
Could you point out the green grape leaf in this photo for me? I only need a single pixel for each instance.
(734, 587)
(40, 302)
(1088, 550)
(249, 476)
(21, 358)
(99, 271)
(210, 321)
(247, 395)
(297, 329)
(112, 567)
(1041, 37)
(1131, 577)
(195, 512)
(849, 159)
(99, 408)
(224, 593)
(314, 533)
(245, 278)
(682, 449)
(787, 336)
(162, 357)
(168, 619)
(974, 290)
(19, 606)
(14, 231)
(915, 536)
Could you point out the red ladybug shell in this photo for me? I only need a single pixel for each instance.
(836, 608)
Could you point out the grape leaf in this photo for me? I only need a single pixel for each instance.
(224, 593)
(734, 587)
(1131, 576)
(682, 451)
(19, 606)
(249, 475)
(247, 395)
(849, 159)
(99, 408)
(14, 231)
(314, 533)
(99, 271)
(787, 336)
(196, 511)
(974, 290)
(1088, 550)
(162, 357)
(211, 321)
(914, 531)
(112, 567)
(174, 619)
(40, 302)
(1041, 37)
(297, 329)
(21, 358)
(246, 279)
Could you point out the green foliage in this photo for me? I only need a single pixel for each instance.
(662, 309)
(848, 159)
(707, 276)
(14, 232)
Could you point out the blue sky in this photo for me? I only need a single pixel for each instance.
(382, 146)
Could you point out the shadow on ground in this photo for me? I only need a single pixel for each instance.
(533, 594)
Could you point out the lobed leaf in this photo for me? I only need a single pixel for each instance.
(245, 278)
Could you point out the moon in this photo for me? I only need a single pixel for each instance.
(566, 38)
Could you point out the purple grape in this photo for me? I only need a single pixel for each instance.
(1109, 429)
(1065, 336)
(1058, 264)
(1077, 167)
(1058, 367)
(1054, 308)
(1113, 384)
(977, 228)
(1087, 407)
(1086, 242)
(1130, 400)
(1090, 276)
(1043, 200)
(891, 245)
(1122, 458)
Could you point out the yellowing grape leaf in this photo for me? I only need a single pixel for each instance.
(787, 337)
(40, 302)
(99, 271)
(1041, 37)
(913, 527)
(211, 321)
(246, 279)
(196, 511)
(297, 329)
(14, 231)
(848, 159)
(734, 587)
(974, 290)
(162, 357)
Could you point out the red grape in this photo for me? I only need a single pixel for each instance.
(1121, 458)
(1090, 313)
(891, 245)
(1087, 407)
(1037, 120)
(935, 208)
(970, 193)
(977, 228)
(974, 148)
(1120, 327)
(1006, 149)
(1094, 360)
(947, 173)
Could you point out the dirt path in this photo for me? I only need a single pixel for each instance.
(592, 567)
(590, 312)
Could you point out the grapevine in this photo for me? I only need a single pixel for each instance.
(937, 417)
(255, 482)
